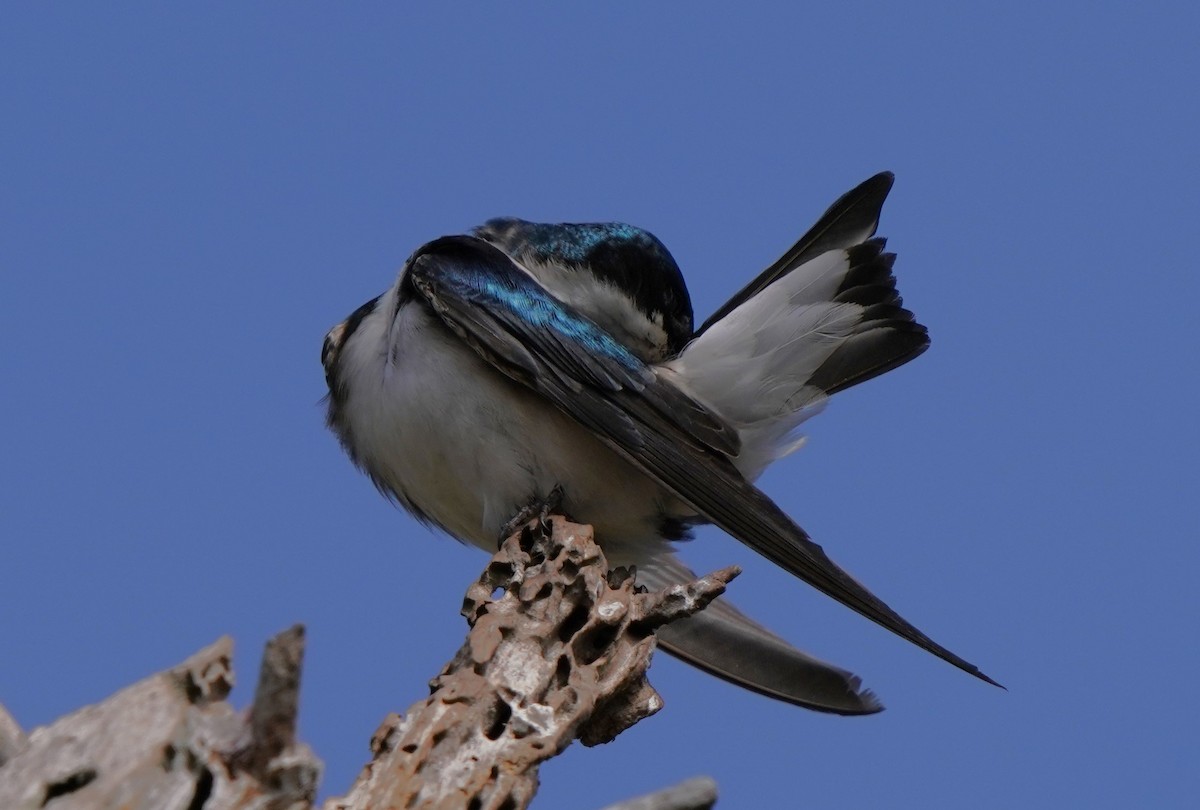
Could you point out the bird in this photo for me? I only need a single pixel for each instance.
(527, 361)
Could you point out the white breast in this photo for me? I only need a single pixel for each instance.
(459, 442)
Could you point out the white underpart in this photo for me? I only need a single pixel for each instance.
(444, 432)
(753, 365)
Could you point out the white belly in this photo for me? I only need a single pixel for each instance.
(467, 447)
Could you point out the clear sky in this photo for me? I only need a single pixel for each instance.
(190, 199)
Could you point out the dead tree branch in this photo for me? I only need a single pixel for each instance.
(170, 741)
(558, 651)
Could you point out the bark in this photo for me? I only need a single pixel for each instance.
(170, 741)
(558, 651)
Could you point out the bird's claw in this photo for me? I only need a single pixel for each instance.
(541, 509)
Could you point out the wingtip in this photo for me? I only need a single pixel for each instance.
(970, 669)
(992, 681)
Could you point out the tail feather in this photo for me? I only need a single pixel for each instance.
(886, 336)
(850, 220)
(771, 363)
(723, 641)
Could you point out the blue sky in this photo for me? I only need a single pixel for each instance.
(190, 199)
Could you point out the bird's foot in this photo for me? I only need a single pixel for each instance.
(541, 509)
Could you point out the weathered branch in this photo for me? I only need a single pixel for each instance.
(170, 741)
(558, 651)
(12, 739)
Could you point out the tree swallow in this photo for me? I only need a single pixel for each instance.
(527, 359)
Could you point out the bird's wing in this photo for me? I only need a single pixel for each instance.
(518, 327)
(723, 641)
(851, 220)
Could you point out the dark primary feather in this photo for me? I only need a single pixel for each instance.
(850, 220)
(481, 295)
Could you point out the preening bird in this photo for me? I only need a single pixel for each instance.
(527, 359)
